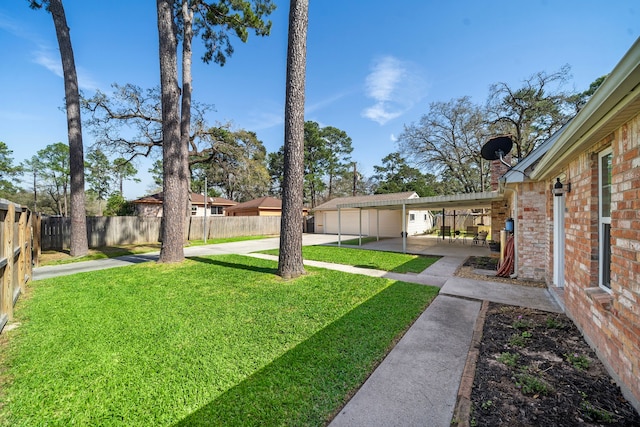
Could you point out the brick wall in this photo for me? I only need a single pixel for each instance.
(499, 215)
(532, 231)
(609, 322)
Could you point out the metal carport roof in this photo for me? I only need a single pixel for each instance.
(456, 201)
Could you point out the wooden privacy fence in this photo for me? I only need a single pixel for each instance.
(15, 256)
(233, 226)
(128, 230)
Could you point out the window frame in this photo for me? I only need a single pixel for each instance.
(604, 222)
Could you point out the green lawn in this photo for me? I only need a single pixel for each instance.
(62, 257)
(213, 341)
(378, 260)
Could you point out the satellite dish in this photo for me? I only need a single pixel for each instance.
(496, 148)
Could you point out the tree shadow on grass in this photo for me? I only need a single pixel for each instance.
(415, 265)
(240, 266)
(310, 383)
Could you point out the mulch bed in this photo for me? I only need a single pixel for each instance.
(535, 369)
(484, 268)
(482, 262)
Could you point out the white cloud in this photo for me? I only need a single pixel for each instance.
(384, 78)
(52, 62)
(395, 86)
(45, 58)
(266, 119)
(379, 112)
(393, 138)
(310, 108)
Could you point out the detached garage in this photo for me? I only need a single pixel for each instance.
(370, 222)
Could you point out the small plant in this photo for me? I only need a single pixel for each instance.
(529, 384)
(520, 323)
(509, 359)
(520, 340)
(578, 361)
(487, 404)
(594, 413)
(553, 323)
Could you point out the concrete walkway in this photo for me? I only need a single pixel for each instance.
(417, 383)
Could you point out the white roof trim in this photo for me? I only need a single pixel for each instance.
(465, 200)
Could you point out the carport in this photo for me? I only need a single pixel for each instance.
(437, 203)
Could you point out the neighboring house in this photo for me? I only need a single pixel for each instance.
(152, 205)
(331, 218)
(263, 206)
(215, 206)
(584, 240)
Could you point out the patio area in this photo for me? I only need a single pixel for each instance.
(433, 245)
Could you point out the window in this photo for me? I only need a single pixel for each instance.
(604, 217)
(425, 217)
(412, 217)
(216, 210)
(194, 210)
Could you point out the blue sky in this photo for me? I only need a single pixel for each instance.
(372, 66)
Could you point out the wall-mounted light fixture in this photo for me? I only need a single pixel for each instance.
(559, 190)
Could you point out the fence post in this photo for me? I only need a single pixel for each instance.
(22, 255)
(7, 273)
(28, 247)
(36, 222)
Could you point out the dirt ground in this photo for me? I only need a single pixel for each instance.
(535, 369)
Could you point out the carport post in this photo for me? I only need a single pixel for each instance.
(339, 226)
(443, 223)
(360, 227)
(454, 222)
(404, 228)
(377, 225)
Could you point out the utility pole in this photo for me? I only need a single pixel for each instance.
(355, 179)
(35, 191)
(206, 199)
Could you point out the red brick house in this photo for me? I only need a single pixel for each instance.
(262, 206)
(584, 240)
(152, 205)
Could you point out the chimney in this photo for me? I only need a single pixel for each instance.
(498, 169)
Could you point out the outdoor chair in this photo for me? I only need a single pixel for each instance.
(480, 238)
(472, 232)
(445, 230)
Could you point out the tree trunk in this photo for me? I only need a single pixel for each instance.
(290, 263)
(173, 159)
(185, 119)
(79, 245)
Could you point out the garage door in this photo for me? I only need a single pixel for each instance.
(348, 220)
